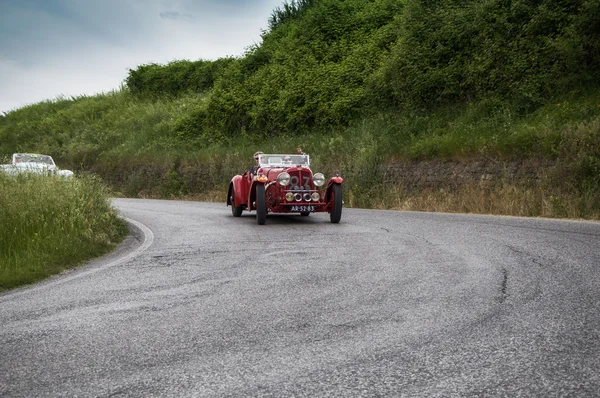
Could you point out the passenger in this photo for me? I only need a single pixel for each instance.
(304, 158)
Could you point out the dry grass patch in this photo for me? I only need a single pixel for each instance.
(507, 199)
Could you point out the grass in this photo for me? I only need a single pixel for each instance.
(135, 147)
(85, 131)
(506, 199)
(50, 224)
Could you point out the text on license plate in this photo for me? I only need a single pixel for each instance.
(302, 208)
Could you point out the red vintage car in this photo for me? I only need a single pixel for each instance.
(285, 184)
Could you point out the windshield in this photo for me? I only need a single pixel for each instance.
(269, 160)
(33, 158)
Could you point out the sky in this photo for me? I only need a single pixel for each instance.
(63, 48)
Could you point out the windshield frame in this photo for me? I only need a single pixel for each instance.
(277, 160)
(28, 158)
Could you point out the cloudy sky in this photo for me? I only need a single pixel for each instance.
(51, 48)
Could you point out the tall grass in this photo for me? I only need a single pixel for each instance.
(503, 199)
(49, 224)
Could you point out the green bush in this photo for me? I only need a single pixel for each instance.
(175, 78)
(308, 73)
(522, 52)
(326, 63)
(288, 11)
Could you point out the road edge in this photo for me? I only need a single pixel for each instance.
(140, 238)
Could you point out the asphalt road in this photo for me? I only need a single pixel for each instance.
(200, 303)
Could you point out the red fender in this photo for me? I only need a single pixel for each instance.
(334, 180)
(251, 194)
(237, 183)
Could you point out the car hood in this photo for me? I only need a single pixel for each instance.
(272, 173)
(34, 166)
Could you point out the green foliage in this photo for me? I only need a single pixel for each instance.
(590, 170)
(326, 63)
(308, 73)
(50, 224)
(173, 184)
(523, 52)
(288, 11)
(85, 131)
(175, 78)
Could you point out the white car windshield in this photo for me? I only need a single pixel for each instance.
(273, 160)
(33, 158)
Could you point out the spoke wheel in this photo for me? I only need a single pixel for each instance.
(261, 205)
(336, 199)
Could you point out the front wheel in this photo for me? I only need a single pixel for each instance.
(261, 205)
(336, 199)
(235, 210)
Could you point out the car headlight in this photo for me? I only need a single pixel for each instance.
(319, 179)
(283, 179)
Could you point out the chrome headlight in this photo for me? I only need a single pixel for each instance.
(319, 179)
(283, 179)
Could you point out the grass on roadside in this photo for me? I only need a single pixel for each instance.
(480, 198)
(50, 224)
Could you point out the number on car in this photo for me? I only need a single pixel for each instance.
(303, 209)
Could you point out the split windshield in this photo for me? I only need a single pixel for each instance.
(267, 160)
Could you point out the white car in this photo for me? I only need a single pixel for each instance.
(35, 164)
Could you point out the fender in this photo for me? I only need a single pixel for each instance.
(237, 184)
(259, 179)
(334, 180)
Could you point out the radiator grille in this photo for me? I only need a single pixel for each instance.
(300, 181)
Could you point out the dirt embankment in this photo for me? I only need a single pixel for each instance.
(531, 188)
(453, 175)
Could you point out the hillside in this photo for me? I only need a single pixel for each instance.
(368, 88)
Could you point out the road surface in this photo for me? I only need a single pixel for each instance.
(199, 303)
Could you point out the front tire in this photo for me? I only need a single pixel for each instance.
(235, 210)
(336, 199)
(261, 205)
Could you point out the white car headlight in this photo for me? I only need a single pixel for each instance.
(283, 179)
(319, 179)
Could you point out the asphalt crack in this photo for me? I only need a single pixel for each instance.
(503, 286)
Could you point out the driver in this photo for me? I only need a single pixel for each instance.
(256, 166)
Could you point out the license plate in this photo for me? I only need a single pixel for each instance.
(303, 209)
